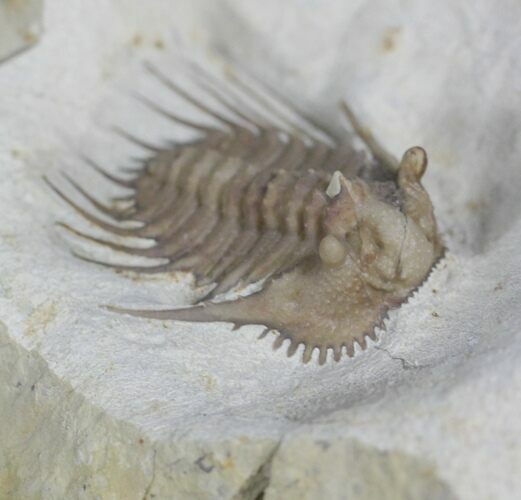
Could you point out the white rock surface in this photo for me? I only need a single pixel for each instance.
(96, 405)
(20, 25)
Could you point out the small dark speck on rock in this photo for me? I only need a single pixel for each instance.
(324, 444)
(390, 39)
(204, 467)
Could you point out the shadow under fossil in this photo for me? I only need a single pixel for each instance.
(268, 197)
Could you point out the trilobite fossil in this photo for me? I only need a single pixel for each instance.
(332, 238)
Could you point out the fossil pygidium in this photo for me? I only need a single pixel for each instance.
(333, 238)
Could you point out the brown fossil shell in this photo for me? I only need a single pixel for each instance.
(334, 239)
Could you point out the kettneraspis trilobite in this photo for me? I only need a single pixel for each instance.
(332, 239)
